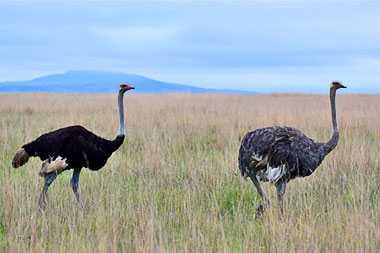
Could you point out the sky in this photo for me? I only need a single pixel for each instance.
(263, 46)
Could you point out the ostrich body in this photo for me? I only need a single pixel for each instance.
(72, 147)
(279, 154)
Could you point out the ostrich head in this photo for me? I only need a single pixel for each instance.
(336, 85)
(124, 87)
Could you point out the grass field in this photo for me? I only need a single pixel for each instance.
(172, 186)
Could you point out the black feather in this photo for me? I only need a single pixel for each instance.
(79, 146)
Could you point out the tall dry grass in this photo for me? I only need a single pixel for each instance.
(171, 186)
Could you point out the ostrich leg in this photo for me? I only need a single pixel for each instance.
(281, 187)
(75, 185)
(265, 205)
(49, 178)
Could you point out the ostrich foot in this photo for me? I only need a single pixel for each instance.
(57, 166)
(260, 210)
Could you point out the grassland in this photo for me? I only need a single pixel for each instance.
(172, 186)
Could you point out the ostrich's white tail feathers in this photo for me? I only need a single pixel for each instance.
(57, 166)
(21, 157)
(272, 174)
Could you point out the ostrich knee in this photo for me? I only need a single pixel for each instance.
(75, 180)
(281, 187)
(49, 179)
(75, 185)
(265, 201)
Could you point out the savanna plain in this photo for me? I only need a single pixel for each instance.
(173, 186)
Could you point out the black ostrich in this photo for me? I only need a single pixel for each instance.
(279, 154)
(72, 147)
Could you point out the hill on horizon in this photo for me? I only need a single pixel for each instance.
(99, 82)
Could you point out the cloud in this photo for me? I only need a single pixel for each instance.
(131, 38)
(360, 75)
(258, 45)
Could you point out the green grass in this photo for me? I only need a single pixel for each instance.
(173, 185)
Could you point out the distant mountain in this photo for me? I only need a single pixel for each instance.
(94, 81)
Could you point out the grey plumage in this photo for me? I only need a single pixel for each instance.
(278, 154)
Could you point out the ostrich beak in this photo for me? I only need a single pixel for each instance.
(130, 87)
(342, 86)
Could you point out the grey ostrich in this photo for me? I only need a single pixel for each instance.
(278, 154)
(72, 147)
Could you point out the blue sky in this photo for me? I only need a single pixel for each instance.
(265, 46)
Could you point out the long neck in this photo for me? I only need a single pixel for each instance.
(116, 143)
(331, 144)
(121, 114)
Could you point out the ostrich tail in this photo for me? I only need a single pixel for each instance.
(21, 157)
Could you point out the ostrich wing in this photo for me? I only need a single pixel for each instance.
(293, 155)
(79, 146)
